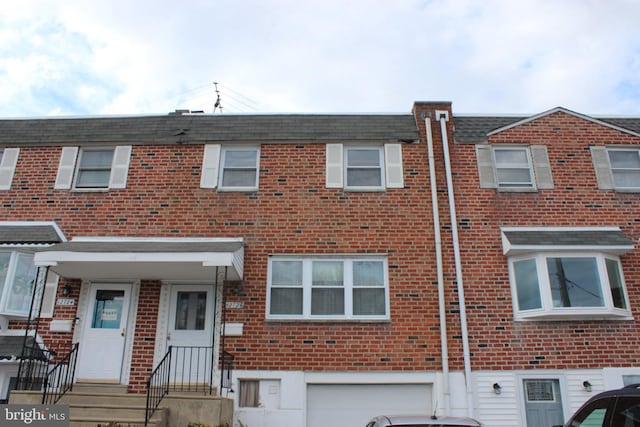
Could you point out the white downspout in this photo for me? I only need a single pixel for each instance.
(439, 268)
(443, 117)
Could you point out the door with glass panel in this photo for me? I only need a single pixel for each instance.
(190, 334)
(543, 402)
(104, 334)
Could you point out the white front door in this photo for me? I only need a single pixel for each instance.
(190, 333)
(104, 333)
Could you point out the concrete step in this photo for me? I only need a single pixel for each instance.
(113, 416)
(79, 398)
(94, 388)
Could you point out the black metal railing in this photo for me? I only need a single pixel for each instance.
(35, 362)
(191, 369)
(158, 385)
(226, 370)
(60, 378)
(185, 369)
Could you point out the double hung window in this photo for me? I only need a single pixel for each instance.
(514, 167)
(95, 169)
(344, 288)
(239, 169)
(617, 167)
(230, 168)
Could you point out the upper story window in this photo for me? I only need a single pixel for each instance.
(364, 168)
(617, 168)
(8, 162)
(514, 167)
(239, 169)
(17, 277)
(567, 273)
(93, 168)
(327, 288)
(233, 168)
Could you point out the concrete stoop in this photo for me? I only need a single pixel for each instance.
(92, 405)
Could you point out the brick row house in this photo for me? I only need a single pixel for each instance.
(547, 215)
(351, 265)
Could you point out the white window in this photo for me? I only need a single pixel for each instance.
(617, 168)
(8, 162)
(17, 278)
(364, 168)
(325, 287)
(234, 168)
(514, 168)
(93, 168)
(564, 284)
(239, 169)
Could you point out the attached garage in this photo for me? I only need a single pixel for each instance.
(352, 405)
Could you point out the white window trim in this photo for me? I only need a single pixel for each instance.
(223, 152)
(348, 288)
(539, 167)
(635, 150)
(68, 168)
(532, 178)
(6, 290)
(548, 311)
(381, 168)
(391, 165)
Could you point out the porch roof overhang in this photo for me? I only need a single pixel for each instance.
(170, 259)
(521, 240)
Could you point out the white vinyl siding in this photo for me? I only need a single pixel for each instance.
(514, 168)
(93, 169)
(364, 168)
(8, 162)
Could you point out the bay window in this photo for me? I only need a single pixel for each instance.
(564, 284)
(17, 278)
(323, 287)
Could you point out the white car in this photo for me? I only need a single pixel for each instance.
(422, 421)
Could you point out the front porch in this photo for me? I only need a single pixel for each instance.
(99, 404)
(147, 316)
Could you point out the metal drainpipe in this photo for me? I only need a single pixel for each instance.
(443, 117)
(440, 273)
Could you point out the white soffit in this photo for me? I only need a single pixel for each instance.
(168, 259)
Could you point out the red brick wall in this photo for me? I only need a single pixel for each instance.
(292, 213)
(496, 340)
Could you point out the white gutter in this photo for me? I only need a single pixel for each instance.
(443, 117)
(440, 271)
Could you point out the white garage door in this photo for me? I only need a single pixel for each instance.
(352, 405)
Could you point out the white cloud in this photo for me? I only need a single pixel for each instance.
(494, 56)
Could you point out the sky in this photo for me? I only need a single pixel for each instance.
(138, 57)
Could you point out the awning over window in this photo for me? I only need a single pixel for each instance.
(522, 240)
(98, 258)
(29, 233)
(11, 348)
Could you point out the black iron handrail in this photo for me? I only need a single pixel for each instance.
(158, 385)
(226, 370)
(60, 378)
(185, 369)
